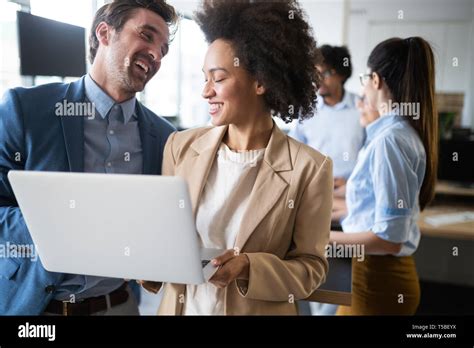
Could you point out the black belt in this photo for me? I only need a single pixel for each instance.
(89, 305)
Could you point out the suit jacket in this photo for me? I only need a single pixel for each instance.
(32, 137)
(284, 230)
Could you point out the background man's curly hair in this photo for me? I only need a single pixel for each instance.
(275, 44)
(339, 59)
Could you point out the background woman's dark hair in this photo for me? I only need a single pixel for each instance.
(118, 12)
(339, 59)
(274, 43)
(408, 68)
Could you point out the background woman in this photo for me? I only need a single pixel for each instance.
(394, 178)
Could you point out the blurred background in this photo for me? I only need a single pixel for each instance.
(358, 24)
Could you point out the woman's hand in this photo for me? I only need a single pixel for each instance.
(339, 188)
(232, 266)
(339, 209)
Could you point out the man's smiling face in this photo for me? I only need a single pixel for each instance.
(133, 55)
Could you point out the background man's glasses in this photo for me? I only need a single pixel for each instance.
(326, 73)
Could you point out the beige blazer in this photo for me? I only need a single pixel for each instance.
(284, 230)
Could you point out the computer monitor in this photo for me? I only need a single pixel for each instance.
(50, 48)
(456, 161)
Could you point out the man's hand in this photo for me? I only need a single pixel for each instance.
(151, 287)
(232, 266)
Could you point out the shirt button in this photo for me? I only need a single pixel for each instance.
(109, 164)
(50, 289)
(111, 132)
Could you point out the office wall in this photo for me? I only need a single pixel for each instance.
(325, 16)
(448, 25)
(361, 24)
(186, 7)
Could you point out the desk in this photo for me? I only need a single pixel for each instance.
(338, 286)
(435, 257)
(453, 231)
(445, 188)
(449, 199)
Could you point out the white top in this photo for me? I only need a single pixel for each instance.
(334, 131)
(221, 208)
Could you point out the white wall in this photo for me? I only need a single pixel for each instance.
(447, 25)
(185, 7)
(360, 24)
(327, 19)
(325, 16)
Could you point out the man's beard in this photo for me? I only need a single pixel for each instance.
(325, 94)
(126, 76)
(129, 81)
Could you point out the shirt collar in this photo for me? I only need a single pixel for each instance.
(344, 103)
(382, 123)
(104, 103)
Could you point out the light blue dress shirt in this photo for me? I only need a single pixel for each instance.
(334, 131)
(382, 192)
(112, 144)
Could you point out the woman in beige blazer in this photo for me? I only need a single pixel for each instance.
(272, 214)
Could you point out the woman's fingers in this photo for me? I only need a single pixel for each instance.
(338, 182)
(340, 192)
(218, 279)
(338, 204)
(223, 276)
(222, 259)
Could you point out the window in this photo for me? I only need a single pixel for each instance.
(9, 61)
(193, 108)
(176, 89)
(76, 12)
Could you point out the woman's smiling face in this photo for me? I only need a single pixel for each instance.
(233, 94)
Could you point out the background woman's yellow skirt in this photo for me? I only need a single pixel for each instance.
(383, 285)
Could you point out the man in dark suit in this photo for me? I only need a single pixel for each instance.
(92, 125)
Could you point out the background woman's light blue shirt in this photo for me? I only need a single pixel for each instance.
(382, 192)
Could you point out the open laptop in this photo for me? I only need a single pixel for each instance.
(119, 226)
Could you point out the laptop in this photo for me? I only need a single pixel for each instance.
(113, 225)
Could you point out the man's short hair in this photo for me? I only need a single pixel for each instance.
(339, 59)
(118, 12)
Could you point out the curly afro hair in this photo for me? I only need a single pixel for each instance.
(275, 44)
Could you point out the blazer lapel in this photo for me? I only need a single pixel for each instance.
(205, 149)
(73, 128)
(150, 144)
(268, 187)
